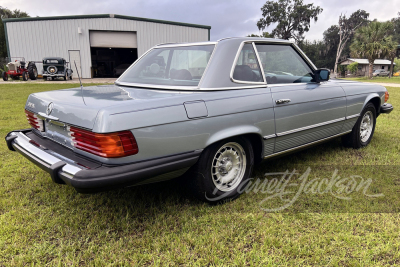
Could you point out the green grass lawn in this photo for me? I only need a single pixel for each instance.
(377, 79)
(42, 223)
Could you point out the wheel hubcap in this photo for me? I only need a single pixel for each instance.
(366, 126)
(228, 166)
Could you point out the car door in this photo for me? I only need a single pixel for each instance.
(305, 111)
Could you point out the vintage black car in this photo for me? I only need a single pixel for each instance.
(56, 67)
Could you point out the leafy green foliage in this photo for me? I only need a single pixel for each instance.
(5, 13)
(263, 35)
(293, 18)
(373, 41)
(396, 67)
(317, 52)
(396, 28)
(353, 67)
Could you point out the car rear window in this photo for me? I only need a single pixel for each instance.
(171, 66)
(52, 61)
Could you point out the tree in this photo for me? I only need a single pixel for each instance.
(396, 28)
(293, 18)
(396, 68)
(263, 35)
(353, 67)
(372, 42)
(316, 51)
(396, 38)
(346, 28)
(5, 13)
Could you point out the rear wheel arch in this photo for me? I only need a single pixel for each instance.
(254, 137)
(257, 143)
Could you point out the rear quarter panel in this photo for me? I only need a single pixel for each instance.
(167, 130)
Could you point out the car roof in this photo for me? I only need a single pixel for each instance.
(57, 58)
(228, 39)
(219, 70)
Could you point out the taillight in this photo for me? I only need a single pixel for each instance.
(386, 96)
(34, 121)
(109, 145)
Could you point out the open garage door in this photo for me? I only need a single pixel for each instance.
(112, 52)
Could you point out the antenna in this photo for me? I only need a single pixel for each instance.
(80, 82)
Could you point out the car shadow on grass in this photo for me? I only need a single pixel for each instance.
(173, 192)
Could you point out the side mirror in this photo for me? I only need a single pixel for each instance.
(321, 75)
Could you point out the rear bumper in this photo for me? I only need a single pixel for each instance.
(386, 108)
(84, 180)
(53, 75)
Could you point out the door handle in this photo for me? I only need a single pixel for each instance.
(282, 101)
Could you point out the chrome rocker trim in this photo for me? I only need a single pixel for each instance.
(305, 145)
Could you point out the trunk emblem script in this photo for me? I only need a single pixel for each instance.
(49, 108)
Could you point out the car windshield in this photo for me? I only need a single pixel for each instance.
(171, 66)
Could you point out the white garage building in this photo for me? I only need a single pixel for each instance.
(99, 44)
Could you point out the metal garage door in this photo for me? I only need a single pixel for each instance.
(113, 39)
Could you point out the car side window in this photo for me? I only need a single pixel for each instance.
(282, 64)
(247, 68)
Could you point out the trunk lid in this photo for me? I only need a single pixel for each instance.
(70, 107)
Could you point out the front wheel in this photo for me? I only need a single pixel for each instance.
(25, 76)
(222, 171)
(5, 76)
(363, 130)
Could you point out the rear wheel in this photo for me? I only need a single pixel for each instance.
(222, 170)
(5, 76)
(25, 76)
(363, 130)
(32, 71)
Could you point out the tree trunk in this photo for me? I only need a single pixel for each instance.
(371, 65)
(391, 67)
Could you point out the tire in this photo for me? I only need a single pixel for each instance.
(45, 78)
(25, 76)
(52, 78)
(363, 130)
(5, 76)
(65, 77)
(32, 70)
(210, 187)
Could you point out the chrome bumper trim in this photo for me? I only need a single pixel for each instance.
(49, 163)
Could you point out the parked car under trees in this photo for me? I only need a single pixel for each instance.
(208, 111)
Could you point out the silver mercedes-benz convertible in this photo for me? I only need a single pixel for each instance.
(209, 110)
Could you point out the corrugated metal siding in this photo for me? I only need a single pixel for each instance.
(37, 39)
